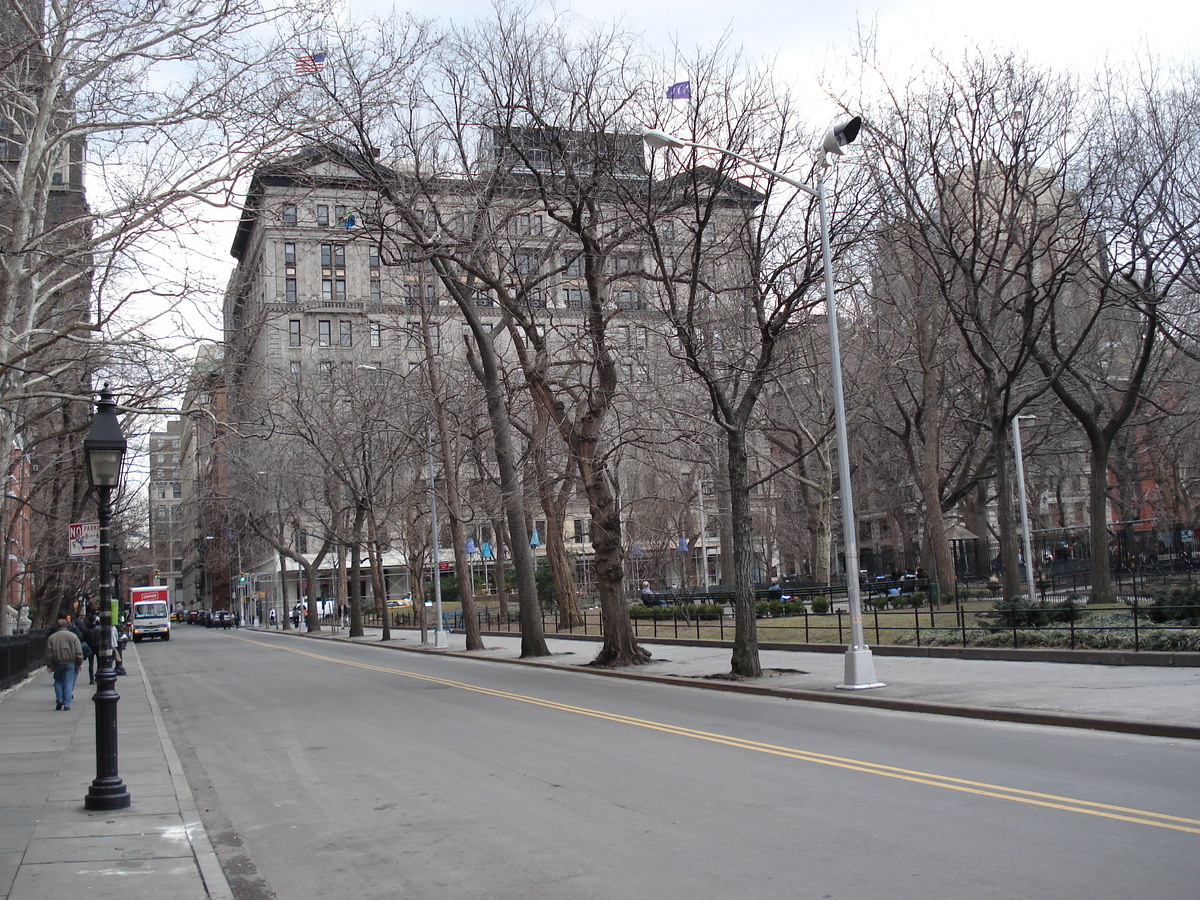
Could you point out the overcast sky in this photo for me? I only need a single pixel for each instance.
(804, 37)
(1052, 31)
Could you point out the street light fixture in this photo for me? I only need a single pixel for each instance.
(859, 665)
(104, 448)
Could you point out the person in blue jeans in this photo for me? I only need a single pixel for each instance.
(64, 658)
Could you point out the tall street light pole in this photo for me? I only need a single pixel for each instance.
(859, 664)
(104, 449)
(1016, 427)
(440, 640)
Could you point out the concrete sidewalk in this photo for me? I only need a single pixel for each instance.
(51, 847)
(1150, 700)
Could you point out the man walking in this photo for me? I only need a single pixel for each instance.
(64, 658)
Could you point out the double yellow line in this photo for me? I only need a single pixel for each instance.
(966, 786)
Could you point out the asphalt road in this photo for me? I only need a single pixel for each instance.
(338, 771)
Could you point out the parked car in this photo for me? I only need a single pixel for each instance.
(193, 616)
(220, 619)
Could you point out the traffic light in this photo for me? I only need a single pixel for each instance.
(242, 578)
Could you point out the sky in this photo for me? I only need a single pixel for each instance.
(1050, 31)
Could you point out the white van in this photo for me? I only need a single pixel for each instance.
(150, 620)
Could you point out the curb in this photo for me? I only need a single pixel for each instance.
(215, 884)
(987, 713)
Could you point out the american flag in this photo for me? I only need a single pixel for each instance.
(310, 64)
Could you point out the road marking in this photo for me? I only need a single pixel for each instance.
(963, 785)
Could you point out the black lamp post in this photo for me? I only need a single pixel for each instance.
(104, 448)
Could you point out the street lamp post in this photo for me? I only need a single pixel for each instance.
(1016, 427)
(859, 665)
(440, 640)
(104, 449)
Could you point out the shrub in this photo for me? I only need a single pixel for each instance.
(774, 608)
(1020, 613)
(688, 611)
(1180, 607)
(820, 605)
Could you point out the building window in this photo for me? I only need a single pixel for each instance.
(324, 333)
(289, 288)
(435, 338)
(579, 531)
(289, 254)
(177, 492)
(326, 368)
(294, 370)
(666, 229)
(573, 297)
(481, 298)
(627, 298)
(345, 333)
(376, 334)
(333, 256)
(523, 264)
(289, 214)
(322, 214)
(333, 290)
(373, 256)
(294, 333)
(413, 330)
(376, 290)
(639, 337)
(572, 265)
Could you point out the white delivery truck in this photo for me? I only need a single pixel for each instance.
(151, 618)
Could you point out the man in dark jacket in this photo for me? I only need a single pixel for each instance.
(64, 658)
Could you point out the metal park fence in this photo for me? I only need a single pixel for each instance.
(21, 654)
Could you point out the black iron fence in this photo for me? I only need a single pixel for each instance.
(1136, 626)
(21, 654)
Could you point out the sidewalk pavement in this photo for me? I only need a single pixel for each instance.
(51, 847)
(1151, 700)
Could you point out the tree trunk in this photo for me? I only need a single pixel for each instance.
(745, 662)
(353, 594)
(533, 640)
(466, 588)
(1102, 588)
(620, 647)
(377, 576)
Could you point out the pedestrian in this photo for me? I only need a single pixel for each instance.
(91, 639)
(272, 617)
(237, 619)
(64, 659)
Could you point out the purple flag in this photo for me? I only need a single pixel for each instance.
(681, 90)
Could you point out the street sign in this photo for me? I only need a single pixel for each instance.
(1186, 536)
(83, 539)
